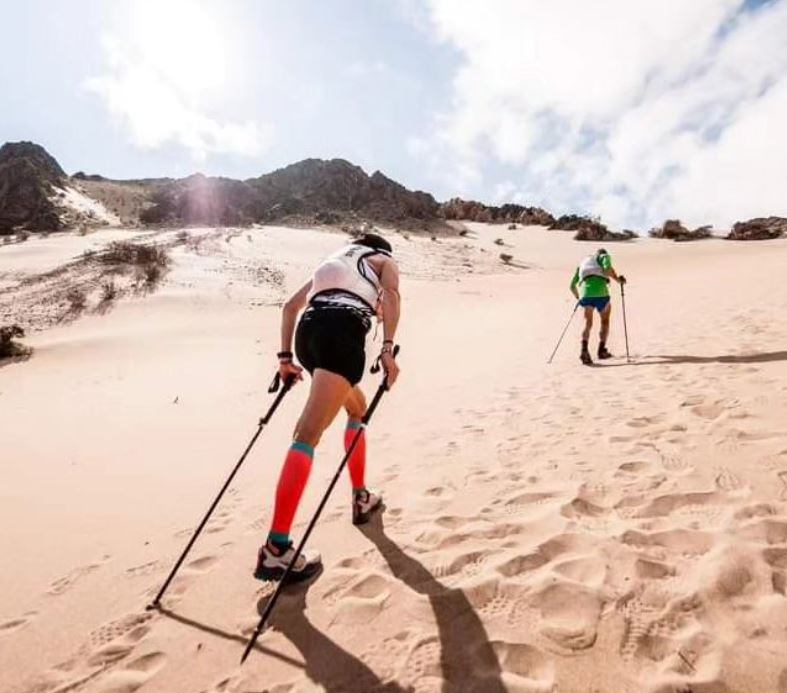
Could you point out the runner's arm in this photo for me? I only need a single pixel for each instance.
(289, 313)
(574, 283)
(389, 280)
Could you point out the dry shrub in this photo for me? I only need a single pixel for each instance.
(109, 291)
(126, 253)
(77, 300)
(9, 347)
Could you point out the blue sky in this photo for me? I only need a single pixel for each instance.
(633, 111)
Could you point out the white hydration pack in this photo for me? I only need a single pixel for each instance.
(590, 267)
(347, 271)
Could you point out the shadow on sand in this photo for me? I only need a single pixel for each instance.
(468, 660)
(675, 359)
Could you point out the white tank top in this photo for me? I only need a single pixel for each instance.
(347, 275)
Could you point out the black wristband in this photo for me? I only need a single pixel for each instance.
(388, 341)
(284, 355)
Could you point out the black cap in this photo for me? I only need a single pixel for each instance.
(372, 240)
(602, 251)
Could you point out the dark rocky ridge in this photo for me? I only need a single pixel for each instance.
(313, 191)
(27, 176)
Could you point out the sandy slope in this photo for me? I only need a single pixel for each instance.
(619, 528)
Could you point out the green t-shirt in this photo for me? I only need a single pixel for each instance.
(594, 287)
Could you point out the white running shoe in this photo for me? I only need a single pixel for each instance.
(272, 564)
(365, 502)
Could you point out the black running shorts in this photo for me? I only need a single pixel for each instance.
(334, 339)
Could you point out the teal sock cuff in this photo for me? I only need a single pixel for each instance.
(278, 538)
(302, 447)
(354, 425)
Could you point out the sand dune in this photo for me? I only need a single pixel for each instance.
(548, 528)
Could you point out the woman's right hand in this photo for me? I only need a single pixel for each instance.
(289, 371)
(390, 367)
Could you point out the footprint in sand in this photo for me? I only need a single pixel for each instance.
(144, 569)
(569, 614)
(66, 582)
(133, 625)
(15, 624)
(670, 503)
(728, 482)
(387, 657)
(686, 542)
(135, 674)
(675, 464)
(524, 667)
(460, 565)
(636, 467)
(423, 662)
(94, 661)
(201, 565)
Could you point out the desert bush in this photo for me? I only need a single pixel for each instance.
(152, 274)
(77, 300)
(9, 347)
(109, 291)
(22, 236)
(126, 253)
(506, 258)
(499, 241)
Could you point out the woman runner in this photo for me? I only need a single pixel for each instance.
(344, 295)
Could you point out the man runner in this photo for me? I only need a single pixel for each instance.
(593, 274)
(341, 299)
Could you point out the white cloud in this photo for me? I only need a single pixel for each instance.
(158, 82)
(632, 110)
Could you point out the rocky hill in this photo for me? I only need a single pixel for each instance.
(28, 177)
(36, 194)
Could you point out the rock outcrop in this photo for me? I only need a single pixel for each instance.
(28, 175)
(588, 229)
(471, 210)
(673, 230)
(759, 229)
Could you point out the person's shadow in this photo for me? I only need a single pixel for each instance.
(325, 662)
(674, 359)
(467, 658)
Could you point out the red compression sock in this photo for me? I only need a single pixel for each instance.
(292, 482)
(357, 461)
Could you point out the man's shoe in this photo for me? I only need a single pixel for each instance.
(603, 353)
(365, 502)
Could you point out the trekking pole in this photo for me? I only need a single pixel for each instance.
(274, 598)
(625, 327)
(274, 386)
(560, 341)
